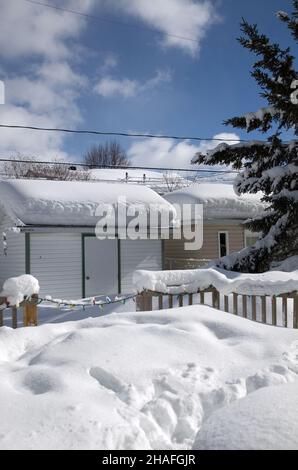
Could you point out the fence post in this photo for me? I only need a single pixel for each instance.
(264, 314)
(215, 299)
(30, 314)
(285, 310)
(160, 302)
(235, 304)
(254, 308)
(144, 302)
(2, 302)
(274, 315)
(244, 306)
(226, 303)
(295, 311)
(14, 314)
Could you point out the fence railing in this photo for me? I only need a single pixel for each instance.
(30, 311)
(276, 310)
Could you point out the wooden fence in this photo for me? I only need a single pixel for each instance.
(276, 310)
(30, 312)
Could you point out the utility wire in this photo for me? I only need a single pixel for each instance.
(127, 168)
(109, 20)
(120, 134)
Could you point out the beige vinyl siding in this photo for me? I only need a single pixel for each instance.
(174, 249)
(138, 254)
(56, 261)
(14, 263)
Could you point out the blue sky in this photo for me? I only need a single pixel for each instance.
(80, 73)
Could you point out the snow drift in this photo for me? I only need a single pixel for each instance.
(142, 380)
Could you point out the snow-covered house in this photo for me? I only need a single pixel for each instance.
(223, 216)
(48, 230)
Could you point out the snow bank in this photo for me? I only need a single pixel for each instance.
(136, 380)
(15, 289)
(264, 420)
(70, 202)
(227, 282)
(219, 200)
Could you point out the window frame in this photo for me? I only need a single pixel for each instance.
(226, 233)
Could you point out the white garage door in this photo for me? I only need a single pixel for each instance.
(101, 267)
(56, 261)
(138, 254)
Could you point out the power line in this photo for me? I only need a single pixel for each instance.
(120, 134)
(127, 168)
(109, 20)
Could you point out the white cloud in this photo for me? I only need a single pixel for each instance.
(44, 145)
(227, 137)
(110, 62)
(45, 93)
(180, 18)
(27, 29)
(110, 87)
(167, 153)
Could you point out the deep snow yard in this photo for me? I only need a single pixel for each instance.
(173, 379)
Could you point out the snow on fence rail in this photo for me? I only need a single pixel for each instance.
(270, 298)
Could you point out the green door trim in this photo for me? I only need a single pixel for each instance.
(119, 264)
(27, 253)
(86, 235)
(163, 258)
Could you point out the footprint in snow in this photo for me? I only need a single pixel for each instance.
(123, 391)
(291, 357)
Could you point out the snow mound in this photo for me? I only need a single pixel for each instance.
(137, 380)
(264, 420)
(15, 289)
(227, 282)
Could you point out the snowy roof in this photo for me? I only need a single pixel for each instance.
(69, 203)
(219, 200)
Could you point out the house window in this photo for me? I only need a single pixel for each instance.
(251, 238)
(223, 243)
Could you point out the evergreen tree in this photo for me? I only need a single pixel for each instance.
(270, 166)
